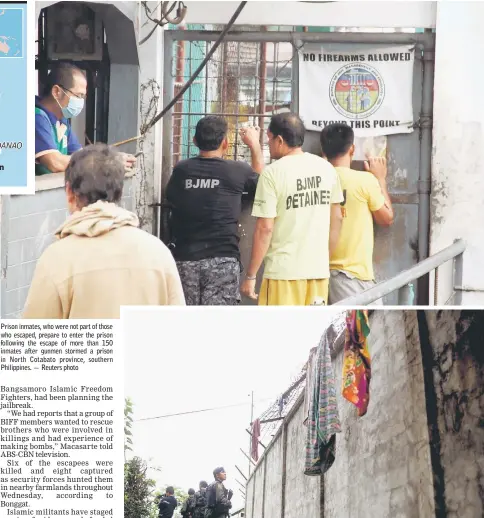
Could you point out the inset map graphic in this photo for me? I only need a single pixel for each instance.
(11, 32)
(13, 97)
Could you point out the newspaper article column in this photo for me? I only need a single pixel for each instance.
(61, 419)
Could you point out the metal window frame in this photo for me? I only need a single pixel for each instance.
(424, 42)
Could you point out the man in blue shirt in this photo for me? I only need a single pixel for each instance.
(168, 503)
(63, 99)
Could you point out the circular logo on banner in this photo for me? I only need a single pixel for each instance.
(357, 90)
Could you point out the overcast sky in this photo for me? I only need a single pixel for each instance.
(180, 360)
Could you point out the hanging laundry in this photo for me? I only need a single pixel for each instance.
(323, 421)
(281, 405)
(356, 361)
(255, 440)
(310, 374)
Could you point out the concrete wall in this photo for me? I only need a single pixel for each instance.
(458, 378)
(458, 143)
(332, 14)
(385, 461)
(150, 102)
(384, 455)
(302, 495)
(273, 459)
(28, 224)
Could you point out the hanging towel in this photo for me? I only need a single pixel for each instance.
(255, 440)
(323, 421)
(309, 389)
(356, 361)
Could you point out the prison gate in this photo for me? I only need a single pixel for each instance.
(254, 75)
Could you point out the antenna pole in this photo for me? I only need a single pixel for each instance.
(251, 421)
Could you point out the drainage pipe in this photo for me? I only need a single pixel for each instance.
(425, 164)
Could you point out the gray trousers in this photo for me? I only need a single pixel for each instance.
(211, 282)
(343, 285)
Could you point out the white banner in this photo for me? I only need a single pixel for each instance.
(371, 90)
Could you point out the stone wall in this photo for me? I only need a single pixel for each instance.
(28, 224)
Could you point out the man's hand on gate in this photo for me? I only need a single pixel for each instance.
(129, 161)
(250, 136)
(248, 289)
(377, 166)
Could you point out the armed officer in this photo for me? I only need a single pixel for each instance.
(188, 508)
(218, 497)
(201, 500)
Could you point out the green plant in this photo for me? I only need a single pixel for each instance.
(128, 421)
(180, 495)
(138, 489)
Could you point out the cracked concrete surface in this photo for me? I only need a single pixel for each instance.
(456, 338)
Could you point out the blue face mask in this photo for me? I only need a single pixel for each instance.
(73, 108)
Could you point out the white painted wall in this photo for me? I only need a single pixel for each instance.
(332, 14)
(151, 73)
(457, 209)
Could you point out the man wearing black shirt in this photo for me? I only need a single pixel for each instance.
(218, 497)
(168, 504)
(205, 195)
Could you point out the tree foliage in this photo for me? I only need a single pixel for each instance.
(140, 498)
(180, 495)
(128, 422)
(138, 489)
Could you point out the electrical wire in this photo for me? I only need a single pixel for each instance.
(201, 410)
(187, 85)
(165, 18)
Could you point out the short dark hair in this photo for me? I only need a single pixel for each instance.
(336, 140)
(210, 132)
(62, 74)
(191, 491)
(290, 127)
(217, 471)
(203, 484)
(96, 173)
(170, 490)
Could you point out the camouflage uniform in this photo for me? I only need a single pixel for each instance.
(188, 508)
(211, 282)
(200, 503)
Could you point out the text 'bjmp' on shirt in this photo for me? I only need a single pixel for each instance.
(206, 199)
(298, 191)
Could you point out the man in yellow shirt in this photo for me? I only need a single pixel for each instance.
(366, 199)
(298, 220)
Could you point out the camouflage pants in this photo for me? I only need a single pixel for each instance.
(210, 282)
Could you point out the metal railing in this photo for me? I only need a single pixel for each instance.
(402, 281)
